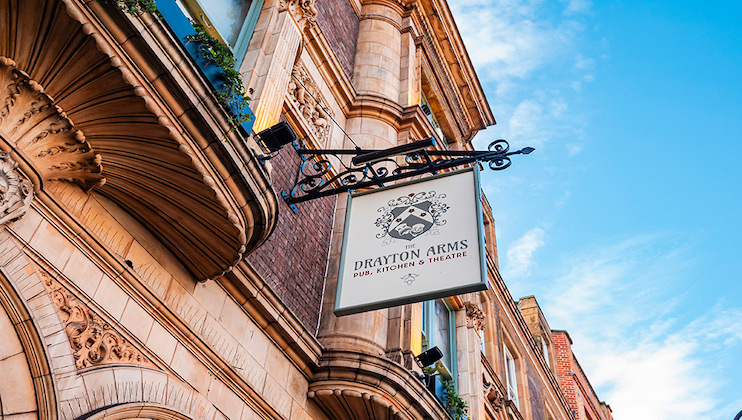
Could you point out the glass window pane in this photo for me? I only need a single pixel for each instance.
(443, 332)
(227, 16)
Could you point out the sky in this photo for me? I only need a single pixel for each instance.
(625, 222)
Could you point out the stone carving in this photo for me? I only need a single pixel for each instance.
(16, 192)
(94, 342)
(474, 316)
(30, 121)
(304, 94)
(493, 394)
(303, 11)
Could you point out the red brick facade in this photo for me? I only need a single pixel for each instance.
(339, 23)
(580, 394)
(293, 259)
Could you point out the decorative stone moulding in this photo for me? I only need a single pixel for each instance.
(305, 96)
(303, 11)
(474, 316)
(16, 192)
(94, 342)
(33, 126)
(358, 385)
(203, 198)
(363, 405)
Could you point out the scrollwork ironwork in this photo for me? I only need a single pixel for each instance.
(327, 172)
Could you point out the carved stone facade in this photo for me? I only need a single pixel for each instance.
(303, 11)
(305, 95)
(474, 316)
(174, 289)
(33, 124)
(16, 192)
(94, 341)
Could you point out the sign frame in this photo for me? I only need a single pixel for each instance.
(482, 284)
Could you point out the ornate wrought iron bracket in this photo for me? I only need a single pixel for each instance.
(363, 168)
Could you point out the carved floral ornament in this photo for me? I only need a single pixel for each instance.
(94, 341)
(305, 95)
(16, 192)
(474, 316)
(303, 11)
(31, 123)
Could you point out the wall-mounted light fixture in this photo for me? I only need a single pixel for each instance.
(428, 357)
(273, 138)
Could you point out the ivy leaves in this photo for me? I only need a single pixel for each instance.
(233, 95)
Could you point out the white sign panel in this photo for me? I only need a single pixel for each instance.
(412, 242)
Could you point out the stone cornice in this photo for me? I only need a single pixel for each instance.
(449, 61)
(284, 328)
(373, 382)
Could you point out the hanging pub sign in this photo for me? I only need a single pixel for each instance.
(412, 242)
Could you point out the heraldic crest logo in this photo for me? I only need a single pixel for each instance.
(410, 216)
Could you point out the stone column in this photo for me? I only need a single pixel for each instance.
(410, 71)
(377, 72)
(376, 78)
(365, 332)
(470, 324)
(272, 53)
(378, 50)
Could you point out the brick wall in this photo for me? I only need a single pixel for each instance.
(293, 259)
(535, 394)
(563, 356)
(339, 23)
(574, 383)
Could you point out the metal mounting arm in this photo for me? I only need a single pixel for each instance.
(370, 168)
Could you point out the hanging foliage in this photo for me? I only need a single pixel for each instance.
(455, 406)
(233, 95)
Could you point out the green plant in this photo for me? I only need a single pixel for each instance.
(133, 6)
(455, 406)
(233, 95)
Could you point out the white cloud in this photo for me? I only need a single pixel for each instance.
(583, 63)
(621, 302)
(573, 148)
(563, 199)
(520, 254)
(514, 44)
(654, 381)
(578, 6)
(509, 39)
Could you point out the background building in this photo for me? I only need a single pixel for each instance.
(148, 266)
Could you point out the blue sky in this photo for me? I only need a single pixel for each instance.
(626, 221)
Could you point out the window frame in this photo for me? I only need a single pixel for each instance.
(198, 14)
(429, 340)
(511, 376)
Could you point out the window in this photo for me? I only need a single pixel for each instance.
(545, 350)
(425, 106)
(439, 329)
(230, 21)
(510, 377)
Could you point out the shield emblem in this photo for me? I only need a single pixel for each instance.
(409, 222)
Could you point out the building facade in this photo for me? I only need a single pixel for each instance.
(149, 268)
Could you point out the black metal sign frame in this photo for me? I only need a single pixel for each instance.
(371, 168)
